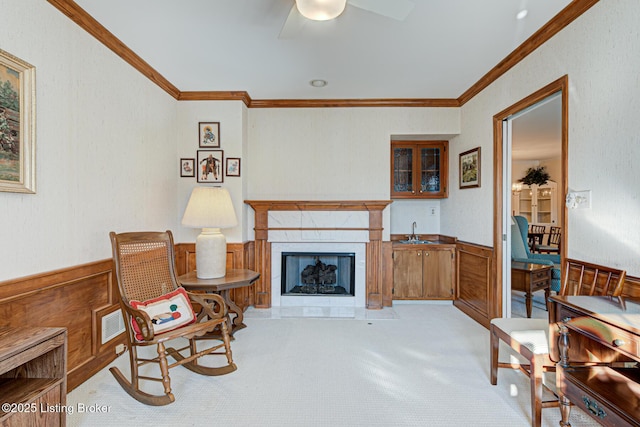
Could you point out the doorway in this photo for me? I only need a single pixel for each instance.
(503, 190)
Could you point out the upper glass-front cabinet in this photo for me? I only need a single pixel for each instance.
(419, 169)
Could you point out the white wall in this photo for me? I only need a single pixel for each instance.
(599, 53)
(232, 118)
(337, 154)
(105, 147)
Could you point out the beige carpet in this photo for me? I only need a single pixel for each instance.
(413, 365)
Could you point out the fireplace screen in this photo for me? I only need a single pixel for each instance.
(318, 273)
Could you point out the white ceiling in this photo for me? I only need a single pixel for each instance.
(537, 134)
(439, 51)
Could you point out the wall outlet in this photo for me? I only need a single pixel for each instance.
(432, 211)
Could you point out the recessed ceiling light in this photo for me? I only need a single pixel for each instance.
(318, 83)
(522, 14)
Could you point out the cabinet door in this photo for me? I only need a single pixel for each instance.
(545, 211)
(419, 169)
(407, 274)
(433, 165)
(402, 171)
(525, 203)
(437, 272)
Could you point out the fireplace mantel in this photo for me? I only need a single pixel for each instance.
(374, 261)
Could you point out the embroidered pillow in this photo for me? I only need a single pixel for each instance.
(167, 312)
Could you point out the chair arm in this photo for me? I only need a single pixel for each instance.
(212, 305)
(141, 318)
(549, 257)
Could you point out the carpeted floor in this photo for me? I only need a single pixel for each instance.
(410, 365)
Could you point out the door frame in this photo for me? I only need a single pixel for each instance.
(560, 85)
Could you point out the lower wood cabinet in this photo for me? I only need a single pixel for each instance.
(33, 369)
(423, 272)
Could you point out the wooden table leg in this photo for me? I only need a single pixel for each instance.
(563, 347)
(237, 322)
(527, 300)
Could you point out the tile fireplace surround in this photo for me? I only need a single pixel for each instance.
(323, 226)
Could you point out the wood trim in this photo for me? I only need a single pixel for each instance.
(216, 96)
(318, 205)
(104, 36)
(72, 298)
(343, 103)
(559, 85)
(550, 29)
(474, 266)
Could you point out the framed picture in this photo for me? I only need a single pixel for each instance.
(470, 168)
(209, 134)
(210, 166)
(187, 168)
(17, 125)
(233, 166)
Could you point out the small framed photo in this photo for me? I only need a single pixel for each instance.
(210, 166)
(187, 168)
(209, 134)
(470, 168)
(233, 166)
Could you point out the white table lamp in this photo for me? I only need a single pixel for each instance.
(210, 208)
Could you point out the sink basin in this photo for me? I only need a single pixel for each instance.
(417, 242)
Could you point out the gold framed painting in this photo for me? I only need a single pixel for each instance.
(470, 168)
(17, 125)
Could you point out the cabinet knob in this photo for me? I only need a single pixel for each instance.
(618, 342)
(426, 254)
(419, 253)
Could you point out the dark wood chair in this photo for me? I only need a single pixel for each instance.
(536, 234)
(529, 338)
(553, 241)
(157, 310)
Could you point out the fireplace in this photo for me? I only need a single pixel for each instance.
(318, 273)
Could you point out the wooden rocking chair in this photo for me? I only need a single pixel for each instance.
(157, 310)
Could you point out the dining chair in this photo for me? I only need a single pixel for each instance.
(553, 241)
(536, 234)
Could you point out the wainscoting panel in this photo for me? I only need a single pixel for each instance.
(476, 289)
(72, 298)
(239, 256)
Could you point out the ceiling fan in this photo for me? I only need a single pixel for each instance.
(302, 11)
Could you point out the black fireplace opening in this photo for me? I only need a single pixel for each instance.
(318, 273)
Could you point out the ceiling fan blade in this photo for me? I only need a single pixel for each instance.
(293, 24)
(396, 9)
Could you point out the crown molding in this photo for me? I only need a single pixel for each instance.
(216, 96)
(97, 30)
(336, 103)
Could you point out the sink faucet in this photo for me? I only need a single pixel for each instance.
(413, 236)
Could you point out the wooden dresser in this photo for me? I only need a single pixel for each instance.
(597, 329)
(33, 380)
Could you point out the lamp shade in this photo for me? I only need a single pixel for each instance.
(321, 10)
(209, 207)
